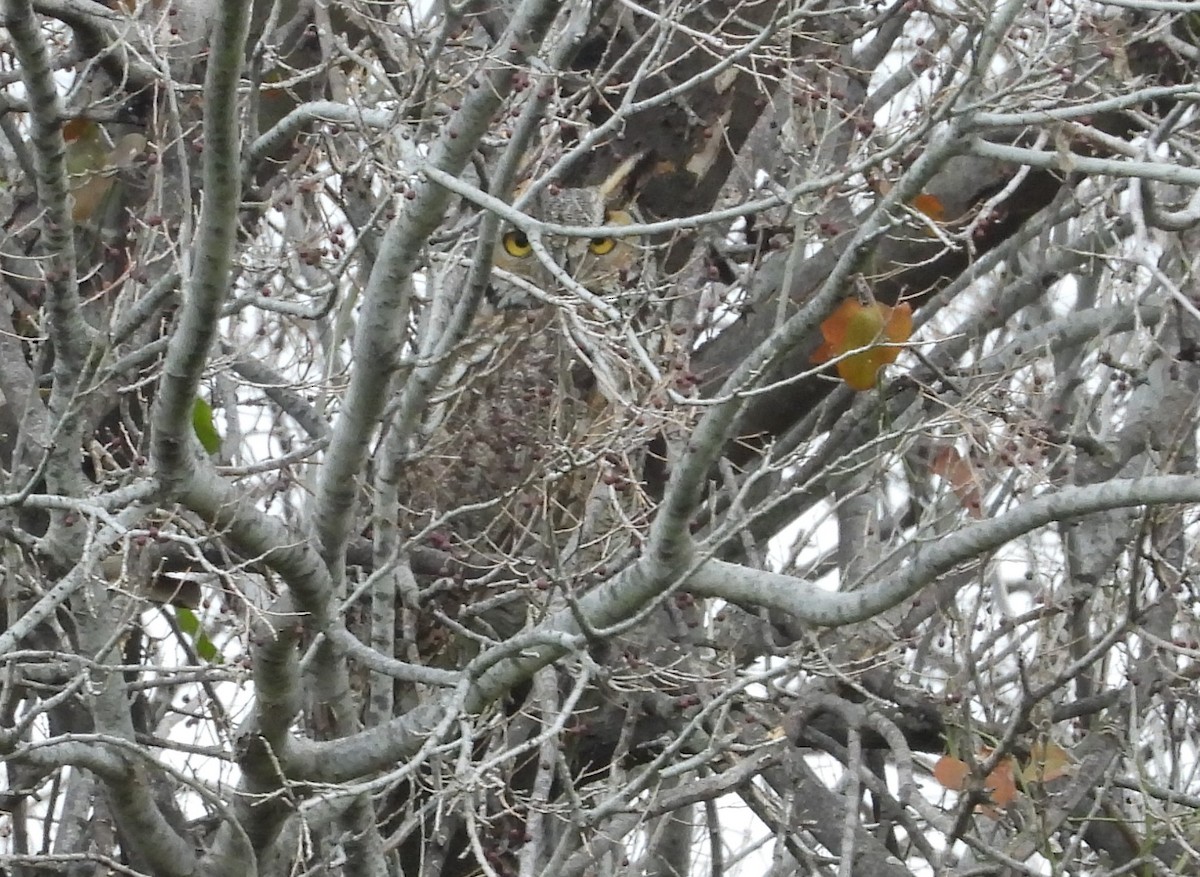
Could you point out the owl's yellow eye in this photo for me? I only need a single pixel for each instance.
(516, 244)
(602, 246)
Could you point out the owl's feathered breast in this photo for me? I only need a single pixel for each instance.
(504, 428)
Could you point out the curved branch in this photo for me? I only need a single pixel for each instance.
(1072, 162)
(208, 284)
(814, 605)
(67, 329)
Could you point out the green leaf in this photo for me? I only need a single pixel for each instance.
(203, 426)
(190, 625)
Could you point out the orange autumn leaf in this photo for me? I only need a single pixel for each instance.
(930, 205)
(1000, 784)
(76, 129)
(874, 327)
(1047, 761)
(958, 472)
(951, 773)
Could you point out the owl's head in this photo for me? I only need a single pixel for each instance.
(600, 264)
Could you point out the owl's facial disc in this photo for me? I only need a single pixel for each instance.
(601, 264)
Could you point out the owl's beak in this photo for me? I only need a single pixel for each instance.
(572, 257)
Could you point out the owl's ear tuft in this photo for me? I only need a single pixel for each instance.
(622, 186)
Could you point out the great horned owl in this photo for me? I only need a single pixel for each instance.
(600, 264)
(547, 394)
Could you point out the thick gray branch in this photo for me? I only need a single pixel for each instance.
(208, 283)
(816, 606)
